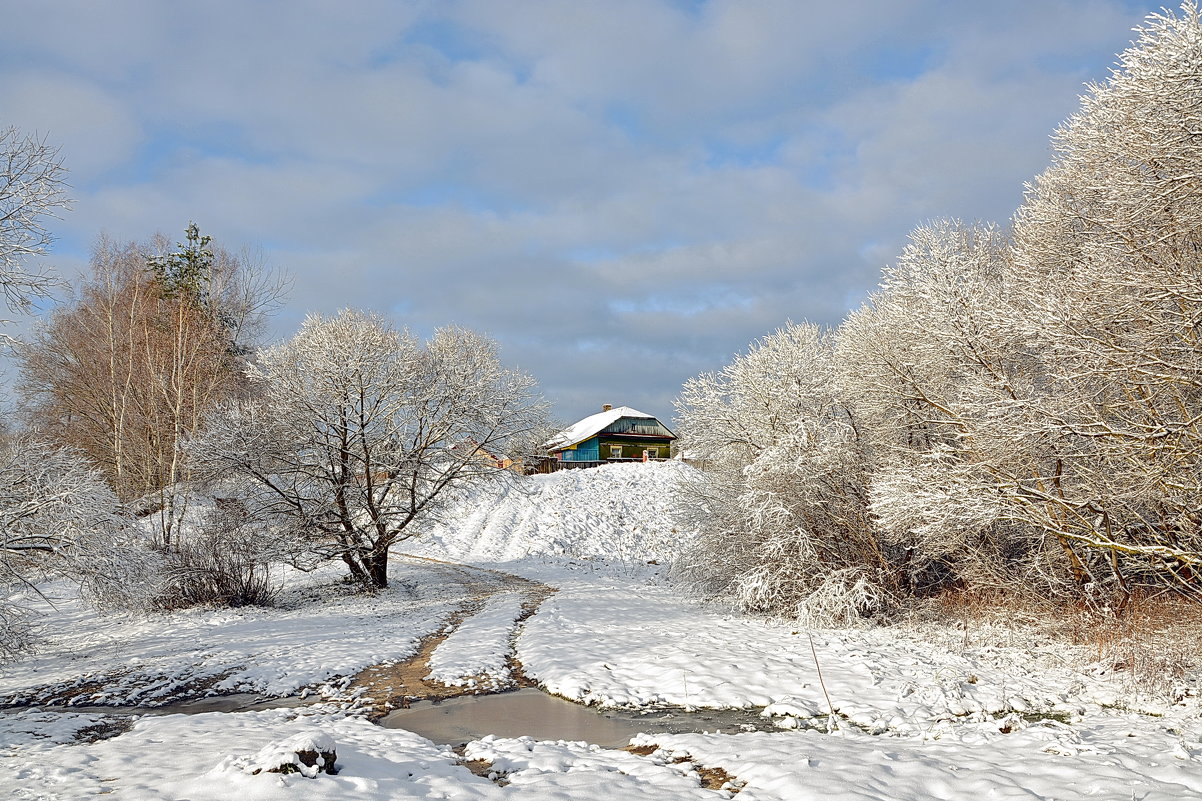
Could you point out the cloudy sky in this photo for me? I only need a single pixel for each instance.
(623, 193)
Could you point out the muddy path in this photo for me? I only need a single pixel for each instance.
(377, 688)
(395, 685)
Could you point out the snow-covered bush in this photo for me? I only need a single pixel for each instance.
(781, 500)
(222, 559)
(59, 517)
(844, 598)
(309, 753)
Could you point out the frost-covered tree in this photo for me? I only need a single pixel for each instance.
(780, 506)
(32, 188)
(357, 432)
(941, 381)
(1027, 409)
(59, 517)
(1108, 242)
(1048, 426)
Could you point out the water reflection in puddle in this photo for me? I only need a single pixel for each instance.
(456, 721)
(530, 712)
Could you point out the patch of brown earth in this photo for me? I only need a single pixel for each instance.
(394, 685)
(716, 778)
(482, 768)
(104, 730)
(711, 778)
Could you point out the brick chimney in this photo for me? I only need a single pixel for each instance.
(606, 407)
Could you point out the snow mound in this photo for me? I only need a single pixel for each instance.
(308, 753)
(619, 512)
(474, 655)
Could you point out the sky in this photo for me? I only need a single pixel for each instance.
(622, 193)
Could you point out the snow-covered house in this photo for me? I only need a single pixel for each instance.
(621, 434)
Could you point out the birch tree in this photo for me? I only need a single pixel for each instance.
(357, 433)
(151, 344)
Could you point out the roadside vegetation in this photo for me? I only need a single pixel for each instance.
(1014, 415)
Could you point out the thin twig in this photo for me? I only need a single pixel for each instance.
(831, 721)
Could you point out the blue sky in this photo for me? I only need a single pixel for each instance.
(622, 193)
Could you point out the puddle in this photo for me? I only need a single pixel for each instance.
(456, 721)
(530, 712)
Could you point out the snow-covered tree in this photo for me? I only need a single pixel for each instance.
(1026, 408)
(1108, 243)
(357, 432)
(32, 188)
(59, 517)
(780, 502)
(941, 382)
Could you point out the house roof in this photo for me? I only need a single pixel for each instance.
(594, 424)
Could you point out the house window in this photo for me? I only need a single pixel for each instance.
(651, 453)
(615, 451)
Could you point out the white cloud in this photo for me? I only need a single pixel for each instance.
(92, 127)
(622, 192)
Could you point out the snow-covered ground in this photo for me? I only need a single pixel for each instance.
(619, 516)
(917, 718)
(317, 633)
(615, 643)
(474, 654)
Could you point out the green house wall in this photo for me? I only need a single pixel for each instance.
(631, 448)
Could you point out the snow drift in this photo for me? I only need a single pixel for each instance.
(619, 512)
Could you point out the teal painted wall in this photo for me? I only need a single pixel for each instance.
(586, 451)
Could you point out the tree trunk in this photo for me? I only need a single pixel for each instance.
(357, 570)
(369, 568)
(377, 567)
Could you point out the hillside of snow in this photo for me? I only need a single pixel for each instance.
(620, 513)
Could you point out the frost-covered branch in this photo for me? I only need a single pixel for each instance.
(356, 433)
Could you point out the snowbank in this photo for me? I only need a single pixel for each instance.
(1115, 763)
(620, 512)
(613, 643)
(474, 655)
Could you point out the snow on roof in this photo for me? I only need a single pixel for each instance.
(594, 424)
